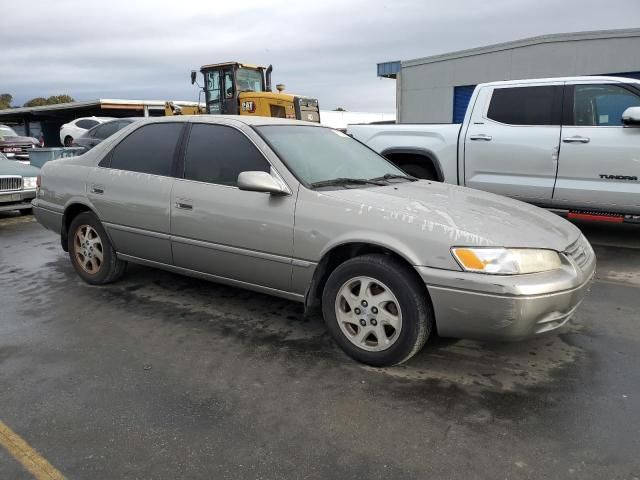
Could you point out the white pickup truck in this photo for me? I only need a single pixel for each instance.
(569, 144)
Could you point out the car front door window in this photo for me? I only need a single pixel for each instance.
(218, 154)
(601, 105)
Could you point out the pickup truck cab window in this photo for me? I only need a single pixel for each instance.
(539, 105)
(600, 104)
(217, 154)
(149, 149)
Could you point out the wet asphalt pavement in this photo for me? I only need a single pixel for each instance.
(162, 376)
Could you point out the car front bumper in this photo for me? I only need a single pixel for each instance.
(506, 307)
(18, 200)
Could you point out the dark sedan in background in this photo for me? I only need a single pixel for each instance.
(97, 134)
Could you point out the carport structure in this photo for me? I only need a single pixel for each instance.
(47, 120)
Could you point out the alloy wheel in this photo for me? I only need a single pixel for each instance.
(368, 313)
(88, 249)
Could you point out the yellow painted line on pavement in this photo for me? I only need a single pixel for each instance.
(27, 456)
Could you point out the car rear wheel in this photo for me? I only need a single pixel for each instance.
(91, 252)
(68, 140)
(377, 310)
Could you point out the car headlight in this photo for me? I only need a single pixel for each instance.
(29, 182)
(506, 261)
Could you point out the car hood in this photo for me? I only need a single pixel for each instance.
(466, 216)
(14, 140)
(13, 167)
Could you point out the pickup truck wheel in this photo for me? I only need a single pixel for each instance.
(67, 141)
(419, 171)
(91, 252)
(376, 310)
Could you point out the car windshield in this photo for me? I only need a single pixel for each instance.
(7, 131)
(249, 80)
(319, 154)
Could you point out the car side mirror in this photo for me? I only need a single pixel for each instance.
(631, 117)
(260, 182)
(193, 76)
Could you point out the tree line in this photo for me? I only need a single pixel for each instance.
(6, 99)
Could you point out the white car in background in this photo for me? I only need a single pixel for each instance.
(70, 131)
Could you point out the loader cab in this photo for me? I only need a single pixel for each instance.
(224, 82)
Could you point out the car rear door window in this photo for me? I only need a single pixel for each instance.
(526, 105)
(86, 124)
(217, 154)
(601, 105)
(149, 149)
(105, 130)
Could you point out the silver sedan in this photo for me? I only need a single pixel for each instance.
(307, 213)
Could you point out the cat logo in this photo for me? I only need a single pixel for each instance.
(249, 106)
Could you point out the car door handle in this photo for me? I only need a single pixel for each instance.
(576, 139)
(481, 136)
(98, 189)
(184, 204)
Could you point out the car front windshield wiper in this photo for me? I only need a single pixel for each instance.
(342, 181)
(393, 176)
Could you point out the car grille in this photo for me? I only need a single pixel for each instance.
(580, 251)
(8, 184)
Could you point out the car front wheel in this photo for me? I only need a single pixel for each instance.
(91, 252)
(377, 310)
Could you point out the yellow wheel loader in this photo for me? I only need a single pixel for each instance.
(235, 88)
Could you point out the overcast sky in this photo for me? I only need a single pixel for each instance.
(326, 49)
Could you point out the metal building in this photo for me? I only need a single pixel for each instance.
(438, 88)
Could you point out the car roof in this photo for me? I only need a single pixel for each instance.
(585, 78)
(126, 119)
(245, 119)
(102, 119)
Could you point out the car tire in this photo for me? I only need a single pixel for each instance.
(91, 252)
(68, 140)
(386, 323)
(26, 211)
(419, 171)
